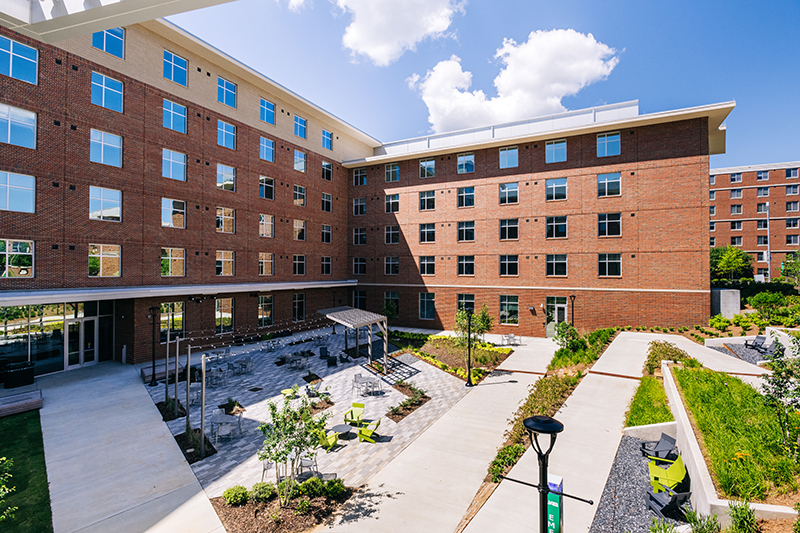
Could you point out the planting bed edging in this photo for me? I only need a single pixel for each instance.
(652, 431)
(704, 495)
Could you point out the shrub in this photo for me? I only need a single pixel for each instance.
(303, 506)
(742, 321)
(767, 303)
(294, 489)
(719, 322)
(335, 489)
(506, 456)
(261, 492)
(660, 526)
(703, 523)
(235, 496)
(545, 397)
(658, 351)
(796, 525)
(312, 487)
(743, 517)
(5, 477)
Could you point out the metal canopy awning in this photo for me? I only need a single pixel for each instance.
(350, 317)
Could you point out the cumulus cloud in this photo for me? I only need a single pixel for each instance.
(383, 30)
(535, 76)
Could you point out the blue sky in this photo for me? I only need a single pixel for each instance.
(401, 68)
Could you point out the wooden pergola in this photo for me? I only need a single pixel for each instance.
(350, 317)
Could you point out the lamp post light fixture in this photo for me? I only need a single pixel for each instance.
(572, 316)
(469, 311)
(153, 311)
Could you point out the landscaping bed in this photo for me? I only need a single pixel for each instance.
(416, 399)
(191, 447)
(167, 410)
(320, 405)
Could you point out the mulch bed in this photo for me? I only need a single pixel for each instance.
(169, 414)
(269, 517)
(455, 356)
(405, 411)
(321, 405)
(280, 363)
(194, 455)
(311, 378)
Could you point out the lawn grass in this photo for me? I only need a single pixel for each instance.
(21, 441)
(649, 405)
(741, 434)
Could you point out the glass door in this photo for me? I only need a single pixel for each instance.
(89, 341)
(556, 313)
(81, 342)
(73, 344)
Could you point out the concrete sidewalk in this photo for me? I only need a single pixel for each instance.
(429, 486)
(112, 464)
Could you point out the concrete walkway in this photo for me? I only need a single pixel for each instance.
(429, 486)
(112, 464)
(593, 419)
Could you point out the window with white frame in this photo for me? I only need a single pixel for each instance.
(466, 197)
(226, 177)
(327, 202)
(17, 192)
(762, 240)
(509, 193)
(427, 168)
(325, 262)
(392, 203)
(427, 265)
(736, 241)
(299, 265)
(16, 258)
(391, 235)
(466, 231)
(226, 92)
(712, 180)
(225, 262)
(555, 151)
(466, 163)
(762, 207)
(360, 300)
(465, 301)
(556, 265)
(763, 272)
(104, 260)
(226, 135)
(712, 195)
(792, 240)
(267, 112)
(509, 265)
(223, 315)
(111, 41)
(359, 206)
(712, 210)
(18, 61)
(466, 265)
(712, 226)
(555, 189)
(106, 92)
(736, 225)
(172, 322)
(327, 140)
(736, 193)
(762, 175)
(792, 223)
(392, 172)
(509, 157)
(359, 236)
(105, 148)
(761, 224)
(226, 220)
(266, 150)
(299, 161)
(359, 266)
(17, 127)
(736, 177)
(791, 173)
(298, 307)
(391, 266)
(736, 209)
(105, 204)
(509, 309)
(791, 190)
(609, 265)
(173, 165)
(299, 196)
(764, 191)
(609, 224)
(176, 68)
(327, 171)
(792, 206)
(427, 233)
(266, 225)
(300, 127)
(712, 241)
(299, 227)
(608, 144)
(509, 229)
(173, 116)
(391, 299)
(556, 227)
(326, 233)
(427, 306)
(609, 184)
(173, 213)
(760, 257)
(265, 310)
(266, 188)
(172, 262)
(359, 176)
(427, 200)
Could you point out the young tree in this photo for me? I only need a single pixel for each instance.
(484, 321)
(780, 387)
(791, 268)
(5, 490)
(767, 303)
(731, 262)
(481, 323)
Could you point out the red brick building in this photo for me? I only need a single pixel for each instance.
(757, 208)
(142, 168)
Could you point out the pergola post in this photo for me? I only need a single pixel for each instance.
(384, 326)
(369, 342)
(358, 345)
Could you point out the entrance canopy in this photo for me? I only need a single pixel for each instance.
(351, 317)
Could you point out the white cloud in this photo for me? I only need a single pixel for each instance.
(384, 29)
(536, 75)
(294, 5)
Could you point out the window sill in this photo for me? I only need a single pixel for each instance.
(465, 207)
(509, 203)
(613, 196)
(509, 240)
(556, 238)
(504, 324)
(557, 200)
(609, 236)
(509, 275)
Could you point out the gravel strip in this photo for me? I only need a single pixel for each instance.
(623, 505)
(745, 354)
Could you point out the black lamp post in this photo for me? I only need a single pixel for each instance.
(153, 311)
(334, 305)
(572, 301)
(469, 311)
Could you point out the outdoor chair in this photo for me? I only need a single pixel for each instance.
(195, 390)
(343, 358)
(328, 440)
(312, 391)
(356, 384)
(331, 361)
(512, 340)
(323, 352)
(667, 501)
(309, 464)
(757, 343)
(675, 477)
(367, 432)
(658, 449)
(355, 416)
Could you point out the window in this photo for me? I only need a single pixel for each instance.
(509, 229)
(712, 195)
(266, 149)
(226, 135)
(171, 320)
(427, 168)
(427, 233)
(267, 111)
(609, 224)
(16, 259)
(359, 266)
(299, 265)
(265, 311)
(392, 235)
(712, 226)
(392, 172)
(736, 241)
(792, 239)
(326, 233)
(555, 151)
(226, 177)
(762, 207)
(556, 227)
(111, 41)
(764, 191)
(466, 163)
(17, 192)
(465, 301)
(556, 189)
(327, 202)
(300, 127)
(327, 140)
(466, 231)
(172, 262)
(762, 175)
(298, 307)
(556, 265)
(104, 260)
(509, 157)
(427, 306)
(299, 161)
(791, 172)
(266, 226)
(391, 266)
(763, 272)
(608, 144)
(225, 263)
(173, 213)
(173, 165)
(509, 309)
(466, 197)
(761, 224)
(359, 176)
(327, 171)
(326, 266)
(712, 180)
(760, 257)
(791, 190)
(392, 203)
(226, 92)
(106, 92)
(223, 315)
(17, 127)
(792, 206)
(299, 196)
(736, 209)
(427, 265)
(427, 200)
(736, 177)
(762, 240)
(609, 265)
(266, 188)
(359, 206)
(299, 230)
(736, 193)
(18, 61)
(174, 116)
(509, 265)
(175, 68)
(359, 236)
(736, 226)
(392, 299)
(360, 299)
(466, 265)
(608, 185)
(105, 148)
(509, 193)
(105, 204)
(712, 242)
(712, 210)
(226, 220)
(792, 223)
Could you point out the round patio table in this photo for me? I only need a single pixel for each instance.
(342, 429)
(287, 393)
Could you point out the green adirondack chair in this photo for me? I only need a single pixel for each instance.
(355, 416)
(328, 440)
(674, 477)
(366, 433)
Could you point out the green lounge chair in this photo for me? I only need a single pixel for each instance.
(328, 440)
(355, 416)
(366, 433)
(674, 477)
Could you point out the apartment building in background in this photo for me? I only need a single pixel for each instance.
(756, 208)
(141, 168)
